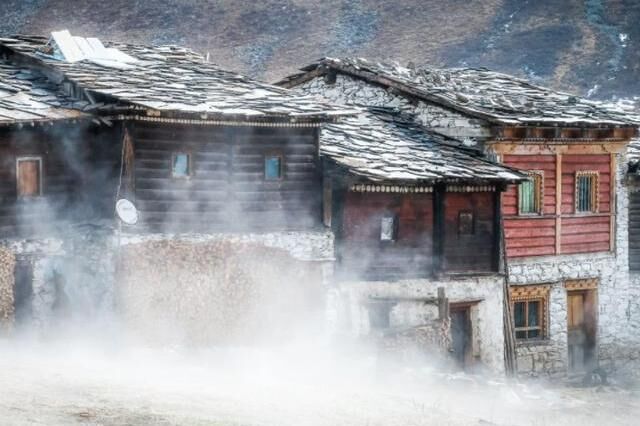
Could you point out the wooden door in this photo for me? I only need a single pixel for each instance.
(461, 335)
(581, 330)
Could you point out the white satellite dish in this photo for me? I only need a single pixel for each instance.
(127, 212)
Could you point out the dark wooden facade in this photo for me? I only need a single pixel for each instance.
(226, 188)
(558, 228)
(437, 231)
(77, 177)
(634, 224)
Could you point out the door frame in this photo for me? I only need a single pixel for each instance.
(468, 359)
(588, 289)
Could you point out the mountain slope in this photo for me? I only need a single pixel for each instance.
(586, 46)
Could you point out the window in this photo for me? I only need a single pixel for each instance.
(273, 167)
(586, 192)
(389, 228)
(465, 223)
(181, 165)
(529, 305)
(527, 319)
(530, 194)
(29, 176)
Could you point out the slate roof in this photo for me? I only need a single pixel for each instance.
(382, 144)
(478, 92)
(171, 79)
(27, 96)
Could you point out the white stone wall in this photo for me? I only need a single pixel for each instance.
(486, 315)
(616, 337)
(353, 91)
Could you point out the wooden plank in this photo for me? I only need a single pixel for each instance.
(558, 204)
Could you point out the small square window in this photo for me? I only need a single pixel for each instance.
(465, 223)
(586, 192)
(530, 194)
(273, 167)
(389, 228)
(29, 176)
(181, 165)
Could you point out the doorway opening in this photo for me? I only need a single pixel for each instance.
(582, 330)
(23, 291)
(461, 335)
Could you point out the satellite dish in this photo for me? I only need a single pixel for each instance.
(127, 212)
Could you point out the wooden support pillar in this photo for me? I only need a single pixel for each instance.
(439, 191)
(338, 199)
(613, 176)
(558, 203)
(497, 229)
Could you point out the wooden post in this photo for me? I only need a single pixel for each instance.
(442, 304)
(613, 176)
(510, 356)
(327, 203)
(438, 227)
(497, 230)
(558, 203)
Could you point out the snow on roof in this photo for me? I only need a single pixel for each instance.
(496, 97)
(166, 79)
(382, 144)
(27, 96)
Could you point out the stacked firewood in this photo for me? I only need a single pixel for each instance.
(7, 266)
(219, 292)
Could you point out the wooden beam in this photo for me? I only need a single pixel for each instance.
(439, 192)
(497, 237)
(551, 147)
(327, 209)
(613, 176)
(558, 203)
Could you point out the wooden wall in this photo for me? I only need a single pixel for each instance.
(474, 251)
(365, 256)
(77, 178)
(227, 189)
(559, 229)
(415, 253)
(634, 228)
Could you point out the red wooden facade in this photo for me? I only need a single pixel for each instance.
(464, 243)
(558, 228)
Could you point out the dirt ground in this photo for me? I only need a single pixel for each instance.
(72, 382)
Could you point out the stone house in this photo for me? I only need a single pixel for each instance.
(415, 217)
(565, 227)
(223, 170)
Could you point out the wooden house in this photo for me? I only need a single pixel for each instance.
(223, 170)
(564, 242)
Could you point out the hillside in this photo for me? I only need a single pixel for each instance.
(589, 46)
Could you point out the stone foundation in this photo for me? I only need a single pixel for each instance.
(483, 294)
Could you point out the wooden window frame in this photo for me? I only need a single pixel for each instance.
(538, 182)
(394, 228)
(40, 175)
(189, 155)
(527, 294)
(278, 155)
(595, 192)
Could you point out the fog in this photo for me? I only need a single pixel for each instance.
(93, 373)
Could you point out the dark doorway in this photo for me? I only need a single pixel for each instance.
(461, 335)
(581, 330)
(23, 291)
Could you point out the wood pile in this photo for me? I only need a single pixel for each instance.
(217, 292)
(7, 279)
